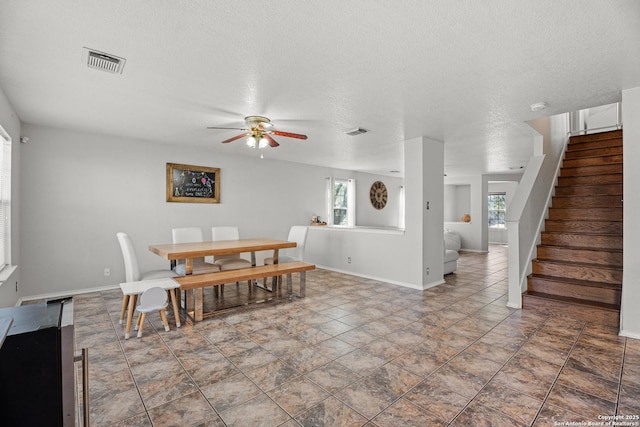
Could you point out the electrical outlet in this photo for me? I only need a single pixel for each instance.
(349, 260)
(107, 272)
(427, 271)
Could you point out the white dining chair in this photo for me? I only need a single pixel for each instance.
(231, 261)
(132, 271)
(298, 234)
(153, 299)
(192, 235)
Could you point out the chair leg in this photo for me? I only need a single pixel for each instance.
(135, 328)
(130, 310)
(143, 317)
(125, 303)
(174, 302)
(165, 322)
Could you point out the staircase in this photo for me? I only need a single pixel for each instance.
(580, 256)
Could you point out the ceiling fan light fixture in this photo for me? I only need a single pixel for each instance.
(251, 142)
(263, 142)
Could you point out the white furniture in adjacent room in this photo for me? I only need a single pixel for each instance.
(452, 246)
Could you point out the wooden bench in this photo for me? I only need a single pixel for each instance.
(196, 282)
(131, 290)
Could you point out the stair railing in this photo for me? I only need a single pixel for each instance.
(607, 117)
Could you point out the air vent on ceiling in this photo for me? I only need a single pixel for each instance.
(356, 131)
(103, 61)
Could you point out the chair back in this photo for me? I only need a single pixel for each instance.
(187, 235)
(225, 233)
(298, 234)
(131, 268)
(153, 299)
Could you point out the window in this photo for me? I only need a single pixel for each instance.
(497, 208)
(5, 198)
(340, 189)
(341, 195)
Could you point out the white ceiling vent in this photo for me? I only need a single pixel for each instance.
(102, 61)
(356, 131)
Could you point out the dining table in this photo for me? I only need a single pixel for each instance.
(189, 251)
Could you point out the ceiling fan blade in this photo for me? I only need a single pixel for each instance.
(234, 138)
(215, 127)
(289, 134)
(272, 142)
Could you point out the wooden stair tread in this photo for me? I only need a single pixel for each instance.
(577, 264)
(582, 248)
(579, 233)
(609, 178)
(612, 134)
(574, 301)
(592, 190)
(592, 152)
(578, 282)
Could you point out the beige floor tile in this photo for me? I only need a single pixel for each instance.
(359, 351)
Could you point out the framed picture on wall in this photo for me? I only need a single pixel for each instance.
(192, 184)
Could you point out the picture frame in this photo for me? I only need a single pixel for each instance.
(192, 184)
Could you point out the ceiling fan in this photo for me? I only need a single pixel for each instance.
(258, 133)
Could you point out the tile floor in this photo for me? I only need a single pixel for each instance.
(363, 352)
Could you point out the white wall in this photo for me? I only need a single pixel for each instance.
(629, 313)
(11, 124)
(457, 202)
(474, 234)
(79, 189)
(602, 116)
(396, 256)
(366, 214)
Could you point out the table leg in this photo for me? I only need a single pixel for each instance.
(174, 302)
(197, 315)
(274, 279)
(303, 283)
(132, 307)
(188, 266)
(289, 286)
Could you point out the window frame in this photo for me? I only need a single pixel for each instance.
(347, 204)
(5, 203)
(503, 211)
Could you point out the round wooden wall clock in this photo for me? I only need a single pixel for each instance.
(378, 195)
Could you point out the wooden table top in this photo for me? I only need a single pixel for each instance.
(175, 251)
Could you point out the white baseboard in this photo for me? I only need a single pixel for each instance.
(629, 334)
(381, 279)
(62, 294)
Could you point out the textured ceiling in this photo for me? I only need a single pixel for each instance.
(461, 72)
